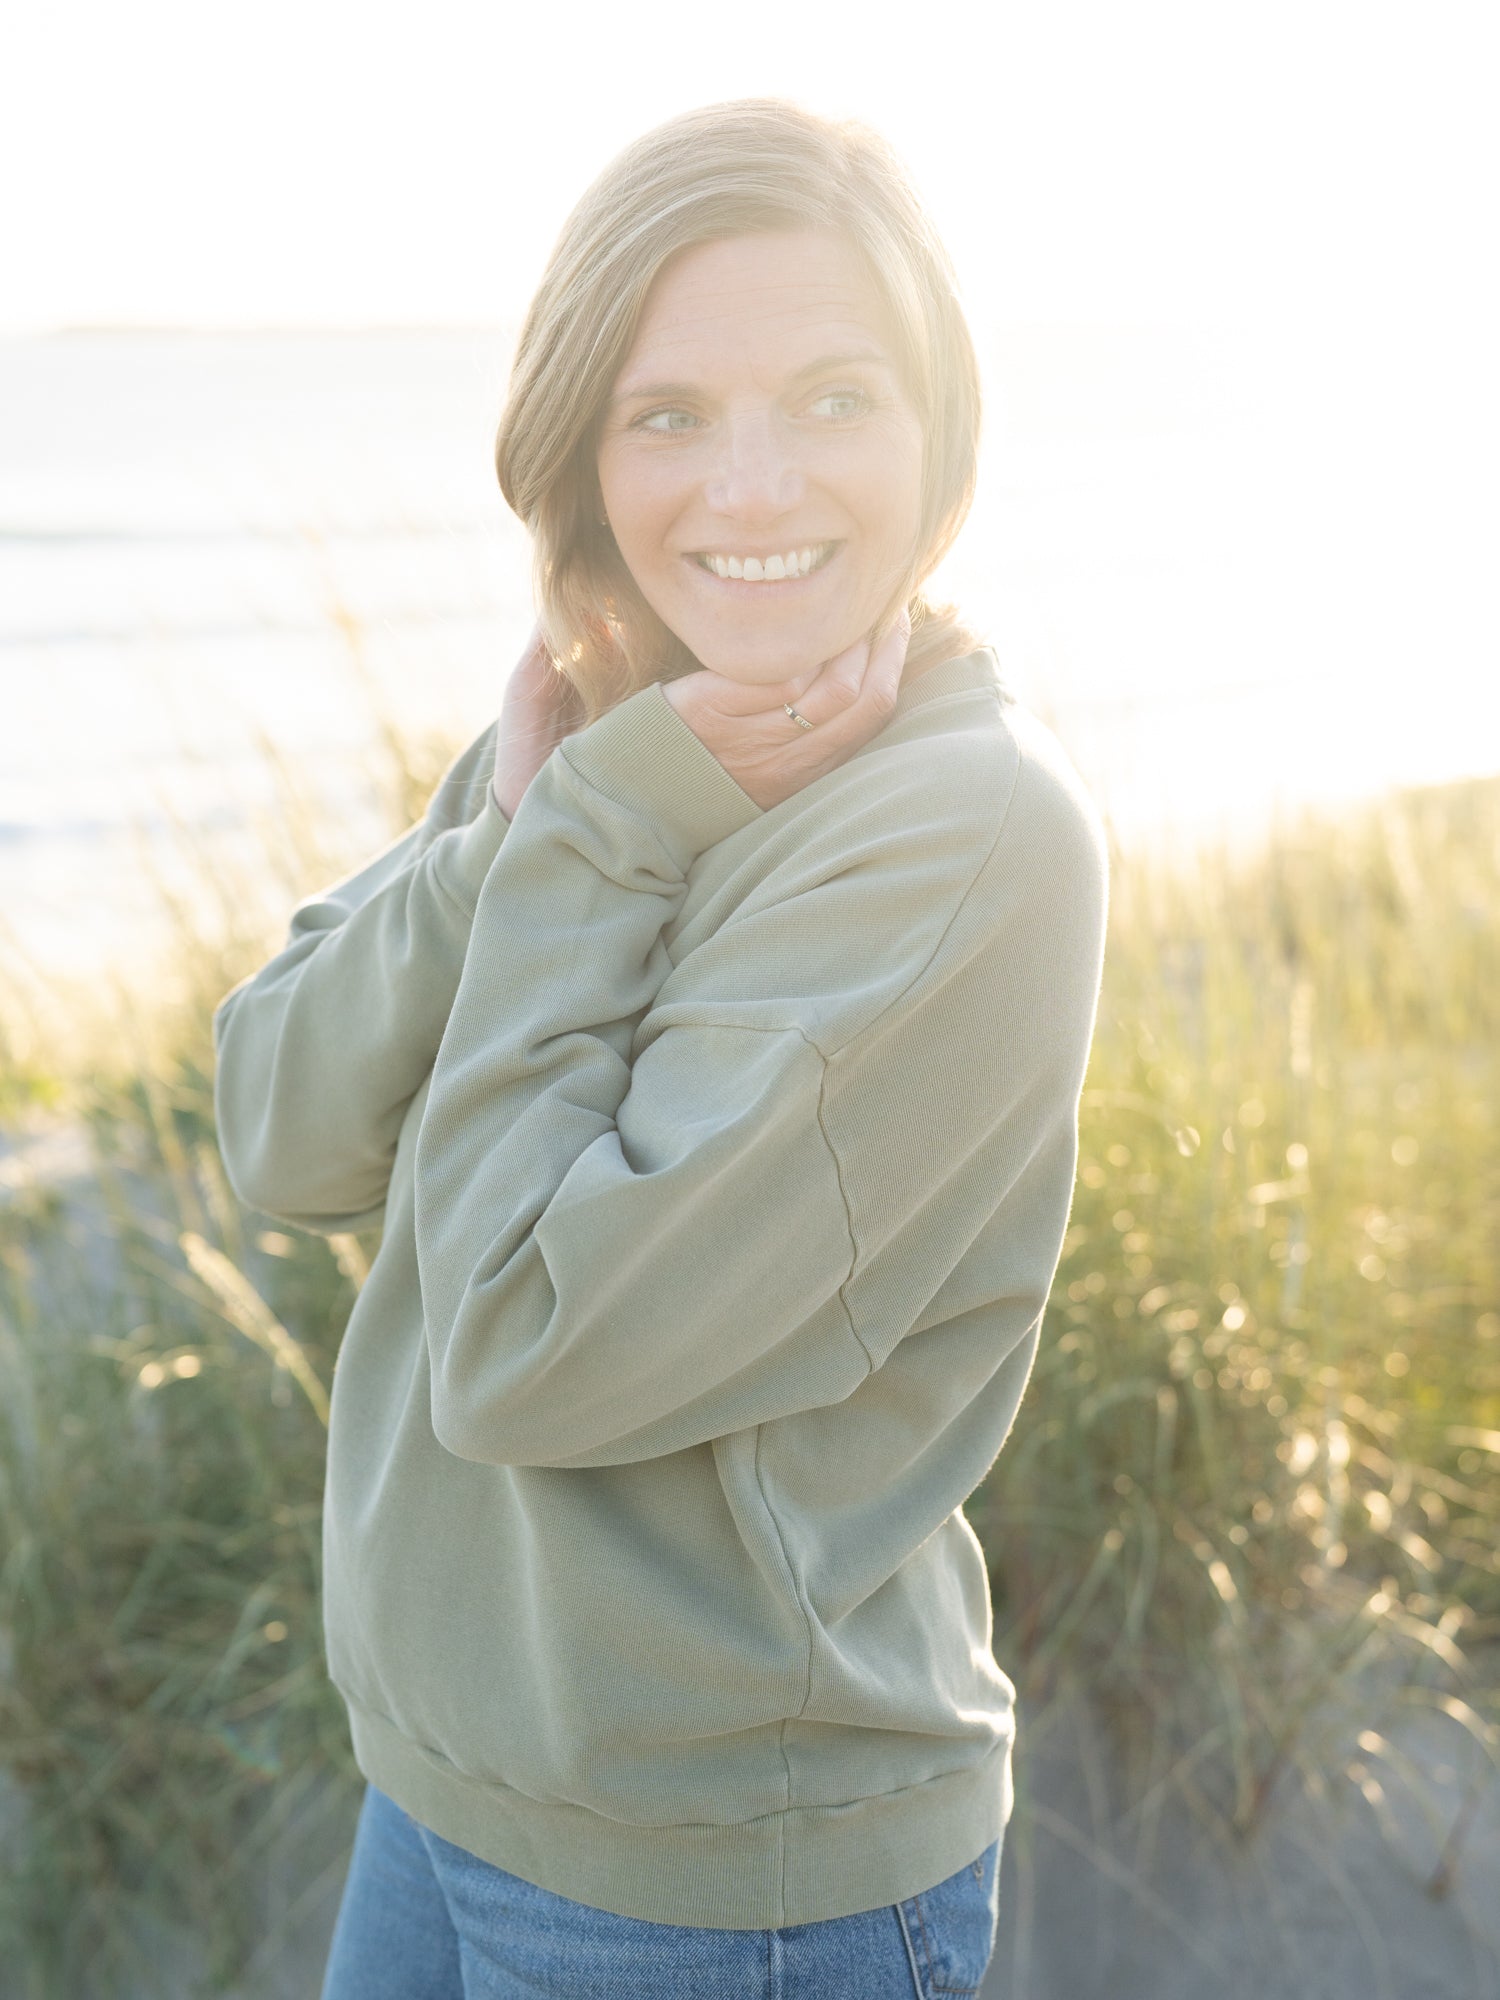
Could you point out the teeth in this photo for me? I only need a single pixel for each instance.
(796, 562)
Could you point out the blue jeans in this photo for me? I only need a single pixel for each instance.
(422, 1919)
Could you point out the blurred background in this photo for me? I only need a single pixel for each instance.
(1230, 274)
(1227, 270)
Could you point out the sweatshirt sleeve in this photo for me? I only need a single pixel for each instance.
(318, 1054)
(634, 1233)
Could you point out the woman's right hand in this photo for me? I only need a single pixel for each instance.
(848, 700)
(541, 707)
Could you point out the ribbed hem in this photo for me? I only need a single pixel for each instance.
(799, 1867)
(463, 854)
(644, 756)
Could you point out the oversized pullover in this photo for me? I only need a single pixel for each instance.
(722, 1158)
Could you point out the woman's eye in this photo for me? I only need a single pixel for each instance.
(847, 403)
(649, 423)
(856, 398)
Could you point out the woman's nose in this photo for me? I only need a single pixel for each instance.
(757, 471)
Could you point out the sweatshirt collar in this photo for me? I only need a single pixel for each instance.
(969, 670)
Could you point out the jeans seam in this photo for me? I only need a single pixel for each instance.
(926, 1947)
(911, 1956)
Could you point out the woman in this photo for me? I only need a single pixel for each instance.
(710, 1055)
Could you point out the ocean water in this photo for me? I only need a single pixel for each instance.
(210, 539)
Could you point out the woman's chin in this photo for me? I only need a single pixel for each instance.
(755, 674)
(764, 661)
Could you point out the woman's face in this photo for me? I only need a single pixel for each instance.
(759, 416)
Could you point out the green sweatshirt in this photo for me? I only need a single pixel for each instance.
(723, 1158)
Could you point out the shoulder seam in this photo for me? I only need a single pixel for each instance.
(838, 1171)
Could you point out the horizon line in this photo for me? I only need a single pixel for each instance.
(82, 329)
(75, 329)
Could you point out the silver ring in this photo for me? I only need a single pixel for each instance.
(800, 720)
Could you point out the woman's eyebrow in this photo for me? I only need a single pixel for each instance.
(850, 360)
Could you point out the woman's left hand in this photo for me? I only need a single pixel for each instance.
(847, 701)
(541, 707)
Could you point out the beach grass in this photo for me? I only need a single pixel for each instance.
(1259, 1457)
(1262, 1440)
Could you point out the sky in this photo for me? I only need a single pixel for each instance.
(314, 162)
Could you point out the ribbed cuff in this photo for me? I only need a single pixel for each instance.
(462, 856)
(644, 757)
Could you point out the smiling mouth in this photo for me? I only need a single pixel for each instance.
(790, 567)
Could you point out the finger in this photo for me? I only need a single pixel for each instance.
(848, 680)
(837, 683)
(893, 649)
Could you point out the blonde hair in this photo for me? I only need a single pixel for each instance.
(721, 170)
